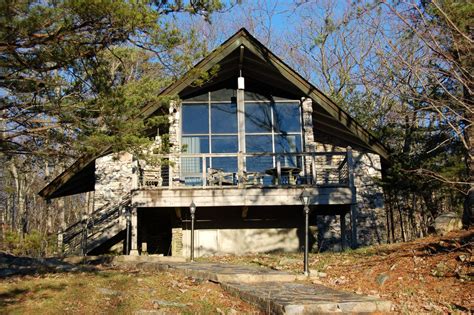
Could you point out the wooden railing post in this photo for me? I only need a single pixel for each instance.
(241, 169)
(350, 167)
(278, 162)
(204, 170)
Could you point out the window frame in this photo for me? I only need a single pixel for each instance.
(273, 133)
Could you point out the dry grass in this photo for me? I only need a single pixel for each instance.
(115, 292)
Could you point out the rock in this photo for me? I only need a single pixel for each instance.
(160, 303)
(151, 312)
(381, 278)
(106, 291)
(447, 222)
(322, 274)
(288, 261)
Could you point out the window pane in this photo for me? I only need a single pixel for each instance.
(287, 143)
(197, 144)
(224, 118)
(191, 166)
(258, 163)
(195, 118)
(290, 161)
(258, 117)
(287, 117)
(227, 164)
(258, 143)
(224, 144)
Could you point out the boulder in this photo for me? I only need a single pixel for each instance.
(447, 222)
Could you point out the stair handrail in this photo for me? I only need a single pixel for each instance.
(74, 233)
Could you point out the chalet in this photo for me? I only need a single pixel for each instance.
(245, 146)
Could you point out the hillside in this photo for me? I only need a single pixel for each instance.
(433, 274)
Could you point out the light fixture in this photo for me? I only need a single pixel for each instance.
(305, 198)
(241, 83)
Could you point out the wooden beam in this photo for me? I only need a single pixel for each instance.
(234, 196)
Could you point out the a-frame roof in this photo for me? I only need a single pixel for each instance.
(326, 112)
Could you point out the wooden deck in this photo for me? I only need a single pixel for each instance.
(233, 196)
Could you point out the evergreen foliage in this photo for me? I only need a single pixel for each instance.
(76, 74)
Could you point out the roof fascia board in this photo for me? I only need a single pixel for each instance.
(205, 65)
(69, 172)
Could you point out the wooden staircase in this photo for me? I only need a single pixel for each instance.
(94, 230)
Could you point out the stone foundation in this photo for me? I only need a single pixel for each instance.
(210, 242)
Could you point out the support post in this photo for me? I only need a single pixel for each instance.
(127, 236)
(343, 231)
(60, 242)
(350, 165)
(241, 135)
(134, 232)
(84, 235)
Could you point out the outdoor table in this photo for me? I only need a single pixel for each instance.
(289, 171)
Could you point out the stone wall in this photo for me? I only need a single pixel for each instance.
(115, 175)
(208, 242)
(368, 171)
(371, 218)
(371, 215)
(177, 241)
(175, 140)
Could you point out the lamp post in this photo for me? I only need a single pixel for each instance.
(305, 199)
(192, 210)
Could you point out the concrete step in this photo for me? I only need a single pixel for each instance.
(276, 292)
(299, 298)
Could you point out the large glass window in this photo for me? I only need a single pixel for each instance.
(212, 127)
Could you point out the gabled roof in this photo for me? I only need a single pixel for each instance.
(328, 112)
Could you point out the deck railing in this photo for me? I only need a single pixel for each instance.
(249, 170)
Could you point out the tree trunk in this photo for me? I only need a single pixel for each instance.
(468, 213)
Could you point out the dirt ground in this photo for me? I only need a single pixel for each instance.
(429, 275)
(108, 291)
